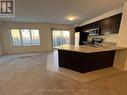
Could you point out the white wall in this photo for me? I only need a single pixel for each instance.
(45, 36)
(121, 55)
(0, 42)
(122, 39)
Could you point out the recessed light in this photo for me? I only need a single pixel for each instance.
(71, 18)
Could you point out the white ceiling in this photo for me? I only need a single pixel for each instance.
(55, 11)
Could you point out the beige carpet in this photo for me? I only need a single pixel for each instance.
(27, 74)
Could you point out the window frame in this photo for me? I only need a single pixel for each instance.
(22, 45)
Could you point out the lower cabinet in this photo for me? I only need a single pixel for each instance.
(85, 62)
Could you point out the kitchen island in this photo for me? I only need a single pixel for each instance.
(86, 58)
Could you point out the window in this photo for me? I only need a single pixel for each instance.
(60, 37)
(25, 37)
(16, 38)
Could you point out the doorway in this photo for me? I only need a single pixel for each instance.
(60, 37)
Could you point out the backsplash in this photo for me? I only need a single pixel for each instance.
(107, 38)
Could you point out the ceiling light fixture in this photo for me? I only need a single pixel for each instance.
(71, 18)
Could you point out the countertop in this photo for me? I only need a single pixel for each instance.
(89, 49)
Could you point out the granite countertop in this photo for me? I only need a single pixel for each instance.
(89, 48)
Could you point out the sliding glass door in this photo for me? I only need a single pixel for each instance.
(60, 37)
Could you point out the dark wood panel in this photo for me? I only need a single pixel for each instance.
(85, 62)
(77, 29)
(107, 25)
(111, 24)
(83, 37)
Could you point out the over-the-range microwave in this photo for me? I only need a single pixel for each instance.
(93, 32)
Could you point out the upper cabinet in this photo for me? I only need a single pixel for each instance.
(108, 25)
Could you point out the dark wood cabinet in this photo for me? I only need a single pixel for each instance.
(108, 25)
(83, 38)
(85, 62)
(77, 29)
